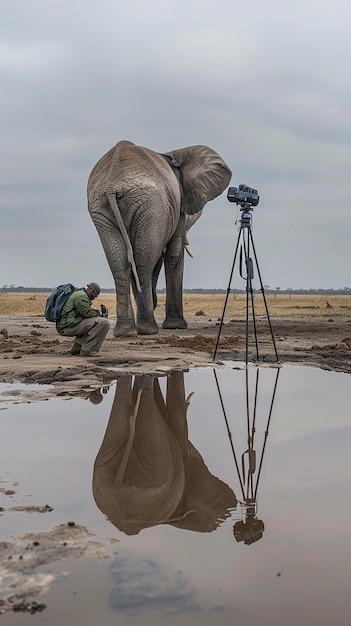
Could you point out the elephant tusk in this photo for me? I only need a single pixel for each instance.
(188, 249)
(188, 399)
(180, 517)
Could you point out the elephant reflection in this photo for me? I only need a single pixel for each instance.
(147, 472)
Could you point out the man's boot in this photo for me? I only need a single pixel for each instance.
(76, 348)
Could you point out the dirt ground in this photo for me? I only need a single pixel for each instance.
(31, 351)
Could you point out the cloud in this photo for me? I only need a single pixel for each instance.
(263, 86)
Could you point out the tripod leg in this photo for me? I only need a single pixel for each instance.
(248, 268)
(227, 295)
(254, 320)
(249, 277)
(264, 297)
(266, 432)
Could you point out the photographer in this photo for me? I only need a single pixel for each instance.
(88, 326)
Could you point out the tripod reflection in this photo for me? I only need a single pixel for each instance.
(249, 528)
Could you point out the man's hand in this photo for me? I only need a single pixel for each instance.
(104, 311)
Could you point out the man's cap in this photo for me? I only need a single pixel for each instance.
(96, 396)
(94, 286)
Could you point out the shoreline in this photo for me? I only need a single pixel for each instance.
(31, 351)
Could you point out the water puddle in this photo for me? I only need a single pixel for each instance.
(201, 497)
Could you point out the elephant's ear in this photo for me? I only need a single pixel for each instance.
(205, 176)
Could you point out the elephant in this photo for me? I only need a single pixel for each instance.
(142, 204)
(146, 471)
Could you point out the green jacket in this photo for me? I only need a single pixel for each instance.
(76, 308)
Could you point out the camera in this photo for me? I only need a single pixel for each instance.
(243, 195)
(104, 311)
(248, 531)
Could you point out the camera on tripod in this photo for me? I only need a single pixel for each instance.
(245, 196)
(248, 531)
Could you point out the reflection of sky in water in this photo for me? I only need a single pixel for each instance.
(303, 497)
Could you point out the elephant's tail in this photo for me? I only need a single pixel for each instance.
(140, 298)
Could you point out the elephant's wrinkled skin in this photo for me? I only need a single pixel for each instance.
(143, 204)
(147, 472)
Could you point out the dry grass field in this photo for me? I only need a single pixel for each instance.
(210, 305)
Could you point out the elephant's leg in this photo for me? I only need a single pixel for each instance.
(146, 323)
(155, 275)
(147, 326)
(149, 263)
(174, 267)
(116, 256)
(125, 322)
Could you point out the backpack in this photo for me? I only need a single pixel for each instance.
(56, 300)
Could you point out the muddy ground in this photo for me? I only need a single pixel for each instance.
(32, 352)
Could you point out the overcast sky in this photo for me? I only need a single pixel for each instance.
(265, 83)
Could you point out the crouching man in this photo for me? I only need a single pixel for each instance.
(88, 326)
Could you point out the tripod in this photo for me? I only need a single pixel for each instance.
(247, 242)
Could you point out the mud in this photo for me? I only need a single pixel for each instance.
(22, 556)
(31, 351)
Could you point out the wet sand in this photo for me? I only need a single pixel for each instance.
(31, 351)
